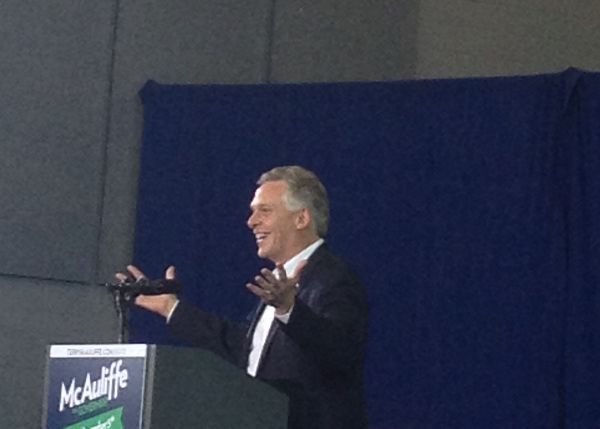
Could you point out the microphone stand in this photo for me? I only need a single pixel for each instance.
(121, 297)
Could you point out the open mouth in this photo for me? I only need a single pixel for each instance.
(260, 237)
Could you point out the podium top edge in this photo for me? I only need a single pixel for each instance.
(88, 351)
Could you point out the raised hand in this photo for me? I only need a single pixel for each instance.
(160, 304)
(278, 291)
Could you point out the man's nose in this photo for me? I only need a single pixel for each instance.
(251, 222)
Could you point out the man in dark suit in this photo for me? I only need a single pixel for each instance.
(308, 336)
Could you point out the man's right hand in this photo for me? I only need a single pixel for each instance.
(160, 304)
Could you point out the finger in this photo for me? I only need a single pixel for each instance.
(141, 300)
(281, 272)
(263, 283)
(259, 292)
(121, 277)
(170, 273)
(268, 275)
(144, 301)
(161, 304)
(135, 272)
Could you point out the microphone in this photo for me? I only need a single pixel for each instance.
(144, 286)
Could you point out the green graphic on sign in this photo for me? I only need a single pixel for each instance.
(108, 420)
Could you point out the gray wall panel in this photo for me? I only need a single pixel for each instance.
(183, 41)
(583, 30)
(43, 313)
(53, 87)
(336, 40)
(462, 38)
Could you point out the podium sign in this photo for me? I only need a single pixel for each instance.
(95, 386)
(144, 386)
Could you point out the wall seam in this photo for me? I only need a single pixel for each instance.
(41, 279)
(107, 129)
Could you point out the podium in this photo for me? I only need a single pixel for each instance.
(139, 386)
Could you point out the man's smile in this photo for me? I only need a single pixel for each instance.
(260, 236)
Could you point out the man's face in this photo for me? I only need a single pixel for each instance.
(272, 223)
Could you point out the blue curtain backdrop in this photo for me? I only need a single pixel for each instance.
(470, 208)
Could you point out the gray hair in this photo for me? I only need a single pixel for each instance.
(305, 190)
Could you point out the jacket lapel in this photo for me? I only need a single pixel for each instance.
(254, 317)
(272, 331)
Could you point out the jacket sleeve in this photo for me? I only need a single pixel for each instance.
(202, 329)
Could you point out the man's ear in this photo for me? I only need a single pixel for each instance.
(303, 219)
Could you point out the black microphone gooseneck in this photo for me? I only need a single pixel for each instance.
(126, 291)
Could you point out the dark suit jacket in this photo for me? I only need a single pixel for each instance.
(316, 358)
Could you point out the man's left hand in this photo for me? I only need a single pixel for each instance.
(278, 292)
